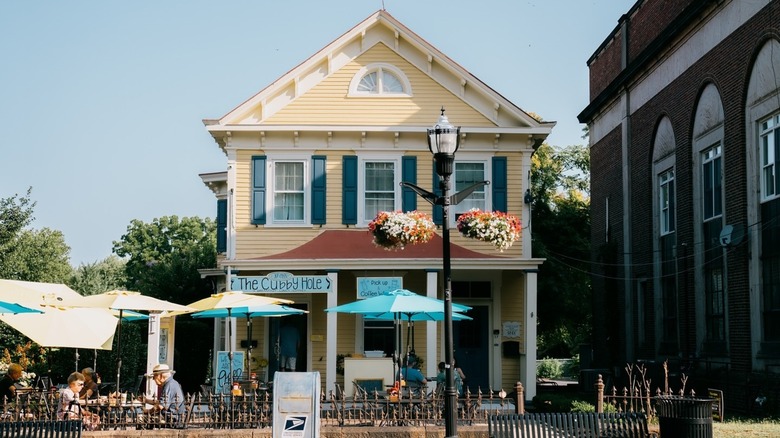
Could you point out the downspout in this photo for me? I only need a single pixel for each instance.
(628, 310)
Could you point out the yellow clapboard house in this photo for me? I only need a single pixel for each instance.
(314, 156)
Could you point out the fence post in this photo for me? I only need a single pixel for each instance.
(520, 402)
(599, 395)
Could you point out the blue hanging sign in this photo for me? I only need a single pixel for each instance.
(368, 287)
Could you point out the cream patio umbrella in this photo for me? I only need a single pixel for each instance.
(122, 300)
(66, 327)
(230, 300)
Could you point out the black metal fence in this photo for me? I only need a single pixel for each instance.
(254, 409)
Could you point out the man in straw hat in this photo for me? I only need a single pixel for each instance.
(169, 401)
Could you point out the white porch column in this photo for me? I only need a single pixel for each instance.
(331, 347)
(152, 349)
(528, 361)
(431, 338)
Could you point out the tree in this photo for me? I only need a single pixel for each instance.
(162, 260)
(30, 255)
(163, 257)
(560, 218)
(94, 278)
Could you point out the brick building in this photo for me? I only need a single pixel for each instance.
(684, 120)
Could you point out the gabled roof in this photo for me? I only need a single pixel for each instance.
(381, 28)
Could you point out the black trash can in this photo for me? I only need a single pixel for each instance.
(680, 417)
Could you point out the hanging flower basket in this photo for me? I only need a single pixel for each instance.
(497, 228)
(395, 230)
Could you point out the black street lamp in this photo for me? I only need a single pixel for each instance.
(443, 142)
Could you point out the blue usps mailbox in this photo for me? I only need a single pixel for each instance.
(296, 405)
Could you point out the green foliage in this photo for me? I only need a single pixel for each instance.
(30, 255)
(95, 278)
(571, 368)
(582, 406)
(15, 214)
(163, 257)
(556, 401)
(560, 220)
(549, 369)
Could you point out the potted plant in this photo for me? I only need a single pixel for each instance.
(394, 229)
(499, 229)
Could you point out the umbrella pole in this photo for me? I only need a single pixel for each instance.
(118, 357)
(230, 347)
(249, 345)
(77, 359)
(94, 361)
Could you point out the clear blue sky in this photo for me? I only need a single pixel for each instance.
(102, 101)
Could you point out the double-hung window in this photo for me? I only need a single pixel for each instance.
(769, 135)
(288, 194)
(666, 201)
(465, 174)
(712, 182)
(380, 178)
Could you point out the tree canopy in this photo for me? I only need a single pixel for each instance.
(163, 257)
(560, 220)
(28, 254)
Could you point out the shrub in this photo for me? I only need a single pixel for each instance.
(549, 369)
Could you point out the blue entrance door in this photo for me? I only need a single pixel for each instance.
(472, 343)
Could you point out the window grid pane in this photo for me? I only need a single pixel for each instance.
(666, 201)
(379, 188)
(466, 174)
(288, 191)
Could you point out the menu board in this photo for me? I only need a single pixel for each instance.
(223, 382)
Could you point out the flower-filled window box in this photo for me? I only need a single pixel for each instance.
(394, 229)
(499, 229)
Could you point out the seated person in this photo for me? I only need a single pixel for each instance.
(8, 383)
(69, 407)
(411, 375)
(90, 388)
(441, 380)
(170, 400)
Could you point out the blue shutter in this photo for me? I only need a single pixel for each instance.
(438, 214)
(221, 225)
(349, 187)
(318, 189)
(408, 174)
(499, 184)
(258, 190)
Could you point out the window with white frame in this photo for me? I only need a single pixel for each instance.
(712, 183)
(288, 194)
(465, 174)
(769, 139)
(380, 80)
(380, 179)
(666, 201)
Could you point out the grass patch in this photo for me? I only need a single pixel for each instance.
(746, 427)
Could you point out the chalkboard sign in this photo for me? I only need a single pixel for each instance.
(223, 383)
(717, 404)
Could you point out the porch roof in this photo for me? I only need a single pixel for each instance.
(358, 244)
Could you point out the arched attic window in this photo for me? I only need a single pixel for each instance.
(380, 80)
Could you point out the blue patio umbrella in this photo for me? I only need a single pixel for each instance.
(395, 305)
(7, 307)
(249, 312)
